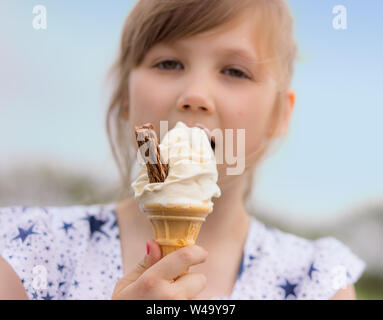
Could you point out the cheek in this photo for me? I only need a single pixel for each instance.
(253, 115)
(256, 124)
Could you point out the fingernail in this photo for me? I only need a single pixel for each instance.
(147, 248)
(207, 254)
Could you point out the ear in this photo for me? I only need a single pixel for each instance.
(287, 112)
(281, 115)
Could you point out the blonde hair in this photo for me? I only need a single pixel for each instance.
(154, 21)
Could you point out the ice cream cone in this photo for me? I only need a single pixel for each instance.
(186, 171)
(176, 226)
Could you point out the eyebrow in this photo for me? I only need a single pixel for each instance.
(239, 53)
(228, 52)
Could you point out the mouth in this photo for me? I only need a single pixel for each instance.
(209, 136)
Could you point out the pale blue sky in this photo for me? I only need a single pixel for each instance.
(53, 99)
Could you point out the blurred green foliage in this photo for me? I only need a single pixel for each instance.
(369, 288)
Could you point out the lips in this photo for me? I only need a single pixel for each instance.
(207, 131)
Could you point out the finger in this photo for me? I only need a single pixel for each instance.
(189, 285)
(154, 251)
(174, 264)
(153, 255)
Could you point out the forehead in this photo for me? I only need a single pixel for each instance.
(235, 38)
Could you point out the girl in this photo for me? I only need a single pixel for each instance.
(218, 63)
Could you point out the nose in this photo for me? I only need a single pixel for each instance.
(195, 103)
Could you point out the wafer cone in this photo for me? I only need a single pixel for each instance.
(176, 226)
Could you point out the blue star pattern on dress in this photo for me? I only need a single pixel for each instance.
(67, 226)
(312, 269)
(23, 234)
(61, 242)
(115, 224)
(95, 225)
(278, 266)
(289, 288)
(76, 253)
(48, 297)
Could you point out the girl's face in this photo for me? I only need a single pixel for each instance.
(213, 78)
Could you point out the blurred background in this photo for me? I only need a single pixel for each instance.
(325, 179)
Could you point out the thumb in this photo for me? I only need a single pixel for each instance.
(153, 255)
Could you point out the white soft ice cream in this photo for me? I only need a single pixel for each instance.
(192, 177)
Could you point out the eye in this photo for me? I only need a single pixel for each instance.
(238, 73)
(171, 65)
(167, 63)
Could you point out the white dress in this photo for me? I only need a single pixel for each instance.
(74, 252)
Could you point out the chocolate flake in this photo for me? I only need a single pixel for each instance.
(157, 170)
